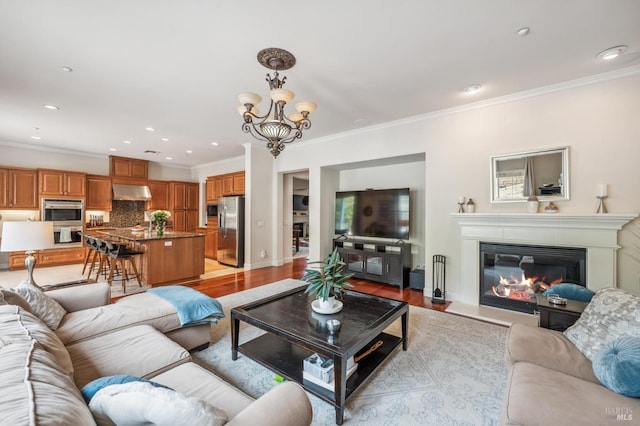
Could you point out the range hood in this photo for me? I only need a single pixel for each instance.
(131, 192)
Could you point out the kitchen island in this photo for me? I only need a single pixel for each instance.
(174, 257)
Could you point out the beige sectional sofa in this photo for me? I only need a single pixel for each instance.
(551, 381)
(41, 376)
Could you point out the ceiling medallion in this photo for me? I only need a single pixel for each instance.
(274, 127)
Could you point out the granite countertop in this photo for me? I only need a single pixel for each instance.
(128, 234)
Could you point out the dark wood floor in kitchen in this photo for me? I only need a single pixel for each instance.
(244, 280)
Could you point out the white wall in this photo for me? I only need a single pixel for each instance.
(596, 119)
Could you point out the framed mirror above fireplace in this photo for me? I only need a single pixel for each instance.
(544, 173)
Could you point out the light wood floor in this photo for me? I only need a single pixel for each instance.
(244, 280)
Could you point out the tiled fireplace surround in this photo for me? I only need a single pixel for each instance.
(598, 233)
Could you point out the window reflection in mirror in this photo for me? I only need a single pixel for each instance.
(544, 173)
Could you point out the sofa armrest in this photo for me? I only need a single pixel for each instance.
(285, 405)
(80, 297)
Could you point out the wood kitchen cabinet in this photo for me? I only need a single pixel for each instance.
(238, 183)
(159, 195)
(18, 188)
(123, 167)
(62, 183)
(225, 185)
(52, 257)
(210, 242)
(184, 205)
(210, 191)
(217, 182)
(99, 193)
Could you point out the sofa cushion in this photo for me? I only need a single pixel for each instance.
(20, 321)
(611, 314)
(91, 388)
(132, 310)
(547, 348)
(617, 366)
(44, 307)
(8, 297)
(34, 387)
(540, 396)
(570, 291)
(140, 403)
(191, 379)
(137, 351)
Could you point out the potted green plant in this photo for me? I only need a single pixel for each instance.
(327, 282)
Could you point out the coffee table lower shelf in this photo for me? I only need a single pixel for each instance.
(285, 358)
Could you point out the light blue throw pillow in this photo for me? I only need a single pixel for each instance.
(91, 388)
(617, 366)
(570, 291)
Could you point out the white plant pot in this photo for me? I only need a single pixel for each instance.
(532, 206)
(328, 304)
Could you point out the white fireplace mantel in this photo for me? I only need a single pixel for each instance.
(598, 233)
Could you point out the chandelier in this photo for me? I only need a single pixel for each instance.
(275, 128)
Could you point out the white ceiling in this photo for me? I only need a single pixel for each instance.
(178, 65)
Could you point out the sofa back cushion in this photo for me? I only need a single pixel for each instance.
(44, 307)
(34, 388)
(8, 297)
(611, 314)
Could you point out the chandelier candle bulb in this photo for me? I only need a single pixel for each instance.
(602, 189)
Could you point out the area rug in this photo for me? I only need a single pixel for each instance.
(452, 374)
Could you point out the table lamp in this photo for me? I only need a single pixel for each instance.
(27, 236)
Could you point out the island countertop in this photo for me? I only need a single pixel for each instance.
(128, 234)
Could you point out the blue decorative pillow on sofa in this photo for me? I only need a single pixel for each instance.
(94, 386)
(570, 291)
(617, 366)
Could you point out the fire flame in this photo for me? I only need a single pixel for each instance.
(524, 288)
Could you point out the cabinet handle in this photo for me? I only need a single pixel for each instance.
(387, 268)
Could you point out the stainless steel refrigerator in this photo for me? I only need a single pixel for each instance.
(231, 231)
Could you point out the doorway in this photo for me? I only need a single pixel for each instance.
(298, 214)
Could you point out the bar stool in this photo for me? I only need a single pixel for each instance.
(120, 255)
(102, 250)
(91, 253)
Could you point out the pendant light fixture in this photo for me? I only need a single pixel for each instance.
(274, 127)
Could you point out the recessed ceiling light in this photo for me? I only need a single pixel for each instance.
(611, 53)
(150, 129)
(471, 89)
(112, 149)
(67, 69)
(51, 107)
(127, 142)
(523, 31)
(36, 138)
(189, 152)
(215, 143)
(169, 158)
(165, 139)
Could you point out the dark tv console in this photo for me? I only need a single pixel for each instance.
(379, 261)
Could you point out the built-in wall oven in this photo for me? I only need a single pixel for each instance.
(67, 216)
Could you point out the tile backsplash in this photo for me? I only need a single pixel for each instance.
(126, 213)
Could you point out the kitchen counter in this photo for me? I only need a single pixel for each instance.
(175, 257)
(129, 235)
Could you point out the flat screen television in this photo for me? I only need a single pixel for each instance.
(301, 202)
(380, 213)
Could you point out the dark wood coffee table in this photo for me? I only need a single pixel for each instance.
(295, 331)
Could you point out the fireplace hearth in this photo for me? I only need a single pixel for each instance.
(512, 274)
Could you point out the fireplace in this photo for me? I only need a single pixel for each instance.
(512, 274)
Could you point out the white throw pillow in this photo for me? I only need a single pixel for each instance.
(47, 309)
(612, 313)
(141, 403)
